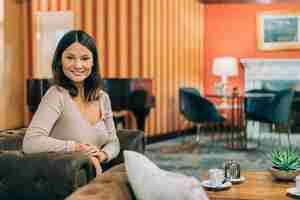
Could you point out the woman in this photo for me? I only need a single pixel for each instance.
(75, 114)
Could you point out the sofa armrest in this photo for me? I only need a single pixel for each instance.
(42, 175)
(11, 140)
(129, 140)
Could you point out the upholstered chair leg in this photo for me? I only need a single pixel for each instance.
(258, 138)
(198, 133)
(274, 140)
(213, 134)
(288, 135)
(279, 138)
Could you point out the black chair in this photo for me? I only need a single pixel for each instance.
(138, 105)
(36, 88)
(272, 110)
(186, 89)
(256, 100)
(198, 109)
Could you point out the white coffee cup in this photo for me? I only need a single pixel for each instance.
(298, 182)
(216, 176)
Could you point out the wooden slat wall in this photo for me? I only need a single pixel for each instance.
(11, 69)
(158, 39)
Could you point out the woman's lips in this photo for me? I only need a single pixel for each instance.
(77, 73)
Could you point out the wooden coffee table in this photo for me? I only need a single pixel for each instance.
(257, 186)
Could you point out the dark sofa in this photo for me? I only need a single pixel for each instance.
(51, 176)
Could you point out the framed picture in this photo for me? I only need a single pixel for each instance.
(50, 26)
(278, 30)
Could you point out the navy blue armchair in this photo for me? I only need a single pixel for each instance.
(198, 109)
(272, 110)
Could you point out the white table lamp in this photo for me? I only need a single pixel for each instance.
(225, 67)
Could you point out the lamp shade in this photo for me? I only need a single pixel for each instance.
(225, 66)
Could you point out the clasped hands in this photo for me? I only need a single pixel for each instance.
(97, 156)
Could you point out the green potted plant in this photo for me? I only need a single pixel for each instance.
(286, 164)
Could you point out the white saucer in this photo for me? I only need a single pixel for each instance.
(207, 184)
(293, 191)
(238, 180)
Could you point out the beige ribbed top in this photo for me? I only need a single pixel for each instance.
(58, 124)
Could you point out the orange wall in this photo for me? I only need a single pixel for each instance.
(230, 30)
(162, 40)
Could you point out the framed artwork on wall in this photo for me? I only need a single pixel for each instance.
(50, 26)
(278, 30)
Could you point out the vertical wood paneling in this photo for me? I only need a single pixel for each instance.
(88, 16)
(117, 40)
(94, 20)
(12, 69)
(200, 35)
(27, 19)
(162, 40)
(35, 5)
(157, 65)
(176, 30)
(179, 54)
(100, 32)
(168, 95)
(185, 44)
(151, 25)
(43, 5)
(170, 74)
(144, 46)
(190, 58)
(63, 5)
(163, 72)
(49, 5)
(111, 37)
(123, 39)
(75, 6)
(135, 38)
(54, 5)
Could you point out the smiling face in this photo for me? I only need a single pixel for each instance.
(77, 62)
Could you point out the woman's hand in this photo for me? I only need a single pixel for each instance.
(81, 147)
(92, 150)
(95, 155)
(102, 156)
(96, 165)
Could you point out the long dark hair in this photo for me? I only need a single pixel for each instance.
(93, 83)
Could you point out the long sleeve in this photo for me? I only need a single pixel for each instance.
(37, 137)
(112, 148)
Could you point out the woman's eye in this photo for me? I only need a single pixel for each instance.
(85, 58)
(69, 57)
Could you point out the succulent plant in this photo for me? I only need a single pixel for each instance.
(285, 159)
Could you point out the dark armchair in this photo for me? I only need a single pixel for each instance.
(272, 110)
(49, 175)
(198, 109)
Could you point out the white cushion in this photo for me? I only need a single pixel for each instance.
(149, 182)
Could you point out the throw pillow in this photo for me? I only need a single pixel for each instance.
(149, 182)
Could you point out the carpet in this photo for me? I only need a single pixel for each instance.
(185, 156)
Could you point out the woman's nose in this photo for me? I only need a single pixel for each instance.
(78, 63)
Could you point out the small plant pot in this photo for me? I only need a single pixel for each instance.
(283, 175)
